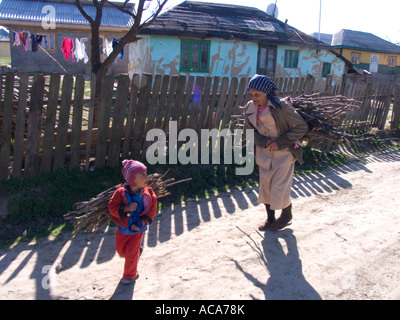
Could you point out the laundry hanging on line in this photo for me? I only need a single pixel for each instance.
(67, 47)
(114, 44)
(74, 48)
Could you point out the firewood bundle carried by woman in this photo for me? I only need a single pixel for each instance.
(93, 215)
(325, 116)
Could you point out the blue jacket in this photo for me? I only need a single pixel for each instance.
(134, 218)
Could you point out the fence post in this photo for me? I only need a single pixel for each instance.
(104, 121)
(20, 125)
(387, 103)
(49, 124)
(140, 115)
(5, 146)
(76, 129)
(120, 105)
(395, 121)
(34, 127)
(90, 120)
(63, 122)
(309, 84)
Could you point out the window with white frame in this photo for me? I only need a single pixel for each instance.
(392, 61)
(355, 57)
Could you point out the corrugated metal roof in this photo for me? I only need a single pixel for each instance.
(363, 41)
(200, 19)
(65, 13)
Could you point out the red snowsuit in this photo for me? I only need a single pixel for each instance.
(128, 246)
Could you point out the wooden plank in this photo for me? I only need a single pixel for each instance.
(154, 104)
(179, 98)
(212, 103)
(395, 121)
(295, 89)
(309, 84)
(5, 145)
(141, 114)
(163, 99)
(196, 102)
(104, 121)
(120, 108)
(20, 125)
(205, 101)
(63, 122)
(49, 123)
(76, 129)
(378, 104)
(90, 121)
(170, 101)
(230, 103)
(34, 127)
(241, 94)
(279, 84)
(373, 104)
(186, 103)
(386, 106)
(133, 100)
(221, 102)
(289, 90)
(153, 109)
(301, 87)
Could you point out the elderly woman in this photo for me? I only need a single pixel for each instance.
(277, 130)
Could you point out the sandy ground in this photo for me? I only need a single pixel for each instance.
(344, 243)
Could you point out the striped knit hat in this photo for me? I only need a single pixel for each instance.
(266, 85)
(130, 168)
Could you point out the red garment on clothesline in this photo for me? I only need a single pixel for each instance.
(67, 47)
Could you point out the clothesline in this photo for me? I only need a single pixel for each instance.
(50, 56)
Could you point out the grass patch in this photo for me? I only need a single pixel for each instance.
(5, 61)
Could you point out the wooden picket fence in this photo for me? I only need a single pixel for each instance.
(46, 123)
(376, 100)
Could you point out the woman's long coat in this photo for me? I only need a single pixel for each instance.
(284, 126)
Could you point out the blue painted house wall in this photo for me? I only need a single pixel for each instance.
(161, 55)
(230, 58)
(311, 63)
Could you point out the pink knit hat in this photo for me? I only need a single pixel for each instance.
(130, 168)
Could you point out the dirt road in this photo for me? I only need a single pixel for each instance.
(344, 243)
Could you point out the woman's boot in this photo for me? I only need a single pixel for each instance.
(284, 220)
(270, 219)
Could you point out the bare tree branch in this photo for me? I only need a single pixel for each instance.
(154, 16)
(122, 8)
(83, 12)
(100, 68)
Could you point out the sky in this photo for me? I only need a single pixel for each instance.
(380, 18)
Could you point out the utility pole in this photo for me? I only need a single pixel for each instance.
(319, 27)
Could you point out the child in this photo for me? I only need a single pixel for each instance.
(278, 129)
(133, 207)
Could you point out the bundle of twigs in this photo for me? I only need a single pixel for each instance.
(325, 115)
(93, 215)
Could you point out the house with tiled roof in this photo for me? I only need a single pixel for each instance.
(39, 28)
(368, 52)
(4, 43)
(210, 39)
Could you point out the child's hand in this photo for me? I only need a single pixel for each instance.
(134, 227)
(131, 207)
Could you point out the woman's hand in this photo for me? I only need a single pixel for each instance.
(272, 146)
